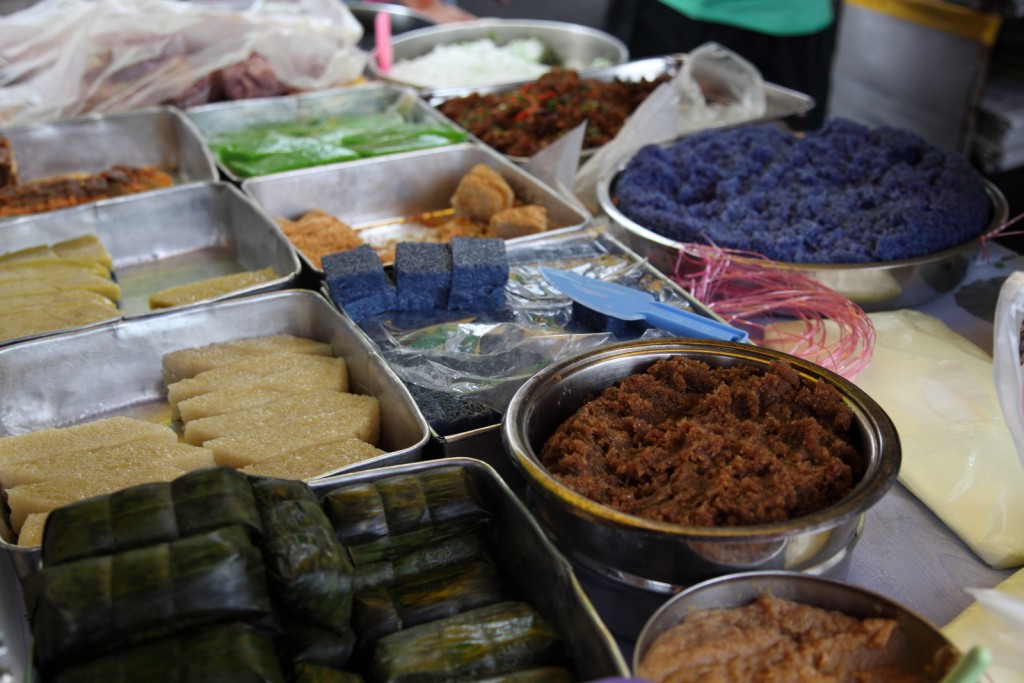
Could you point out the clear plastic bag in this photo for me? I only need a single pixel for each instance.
(64, 58)
(1008, 369)
(715, 87)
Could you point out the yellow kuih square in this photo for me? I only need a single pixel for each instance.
(313, 461)
(190, 362)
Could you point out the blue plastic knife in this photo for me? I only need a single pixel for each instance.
(626, 303)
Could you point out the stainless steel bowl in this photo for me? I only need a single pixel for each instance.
(403, 19)
(880, 286)
(739, 589)
(658, 558)
(571, 43)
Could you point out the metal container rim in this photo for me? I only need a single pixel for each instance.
(875, 483)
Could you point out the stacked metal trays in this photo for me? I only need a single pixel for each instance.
(376, 196)
(168, 238)
(879, 286)
(162, 137)
(572, 44)
(115, 369)
(780, 102)
(374, 98)
(527, 558)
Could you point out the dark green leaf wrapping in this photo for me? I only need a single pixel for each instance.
(151, 513)
(308, 569)
(545, 674)
(437, 594)
(214, 497)
(462, 548)
(99, 604)
(311, 673)
(492, 640)
(394, 515)
(310, 644)
(228, 653)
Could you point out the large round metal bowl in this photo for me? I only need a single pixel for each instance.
(649, 558)
(923, 638)
(572, 44)
(880, 286)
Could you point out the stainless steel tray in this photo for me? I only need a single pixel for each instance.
(378, 196)
(375, 98)
(571, 43)
(160, 136)
(168, 238)
(115, 369)
(780, 102)
(530, 561)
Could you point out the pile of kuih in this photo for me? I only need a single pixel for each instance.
(221, 576)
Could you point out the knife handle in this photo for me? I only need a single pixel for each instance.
(689, 324)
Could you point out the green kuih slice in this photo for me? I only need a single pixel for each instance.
(226, 653)
(485, 642)
(390, 517)
(441, 593)
(195, 502)
(89, 607)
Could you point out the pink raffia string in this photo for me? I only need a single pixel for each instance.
(1001, 231)
(755, 293)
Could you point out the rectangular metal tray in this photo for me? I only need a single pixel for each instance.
(378, 196)
(375, 98)
(167, 238)
(160, 136)
(780, 102)
(529, 560)
(115, 369)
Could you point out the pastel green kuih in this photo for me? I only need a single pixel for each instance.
(774, 17)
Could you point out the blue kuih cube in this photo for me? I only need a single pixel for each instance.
(479, 273)
(423, 274)
(357, 282)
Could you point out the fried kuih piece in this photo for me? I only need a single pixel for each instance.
(48, 194)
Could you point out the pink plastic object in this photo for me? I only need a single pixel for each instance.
(382, 40)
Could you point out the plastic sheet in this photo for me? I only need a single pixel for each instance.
(64, 58)
(716, 87)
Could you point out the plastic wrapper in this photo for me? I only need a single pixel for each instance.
(487, 356)
(996, 622)
(959, 456)
(716, 87)
(1008, 369)
(63, 58)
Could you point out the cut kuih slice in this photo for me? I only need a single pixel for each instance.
(59, 314)
(34, 253)
(70, 296)
(269, 441)
(85, 248)
(270, 371)
(281, 413)
(132, 455)
(31, 535)
(48, 495)
(313, 461)
(102, 433)
(80, 279)
(49, 269)
(190, 362)
(208, 289)
(227, 401)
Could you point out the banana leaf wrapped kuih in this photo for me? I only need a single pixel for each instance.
(386, 518)
(485, 642)
(305, 643)
(311, 673)
(226, 653)
(467, 547)
(545, 674)
(308, 570)
(150, 513)
(96, 605)
(437, 594)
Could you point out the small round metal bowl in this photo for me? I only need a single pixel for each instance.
(923, 640)
(403, 19)
(644, 557)
(879, 286)
(571, 44)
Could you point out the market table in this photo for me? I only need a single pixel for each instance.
(906, 552)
